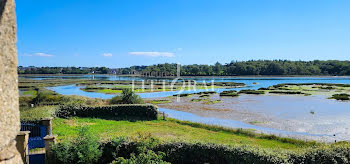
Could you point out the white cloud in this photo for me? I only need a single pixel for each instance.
(42, 54)
(153, 54)
(107, 54)
(27, 55)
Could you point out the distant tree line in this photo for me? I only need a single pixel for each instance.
(259, 67)
(62, 70)
(234, 68)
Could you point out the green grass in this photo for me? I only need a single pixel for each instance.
(29, 93)
(160, 101)
(174, 130)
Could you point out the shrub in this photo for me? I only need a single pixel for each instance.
(25, 101)
(84, 149)
(126, 111)
(341, 96)
(127, 97)
(115, 100)
(126, 151)
(144, 158)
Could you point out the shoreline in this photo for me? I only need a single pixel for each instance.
(241, 76)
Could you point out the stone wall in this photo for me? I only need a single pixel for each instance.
(9, 112)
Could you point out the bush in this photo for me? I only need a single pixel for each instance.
(341, 96)
(136, 151)
(127, 111)
(127, 97)
(84, 149)
(25, 101)
(144, 158)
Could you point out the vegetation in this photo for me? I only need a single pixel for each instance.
(47, 97)
(125, 111)
(255, 67)
(146, 87)
(160, 101)
(184, 94)
(174, 130)
(127, 97)
(249, 91)
(287, 92)
(37, 113)
(341, 96)
(307, 89)
(142, 146)
(213, 101)
(82, 150)
(229, 93)
(234, 68)
(62, 70)
(206, 92)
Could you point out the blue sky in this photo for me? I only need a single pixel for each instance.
(120, 33)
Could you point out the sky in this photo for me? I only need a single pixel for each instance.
(123, 33)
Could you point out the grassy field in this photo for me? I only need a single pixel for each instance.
(174, 130)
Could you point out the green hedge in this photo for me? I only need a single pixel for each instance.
(211, 153)
(180, 152)
(127, 111)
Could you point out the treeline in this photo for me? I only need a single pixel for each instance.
(62, 70)
(235, 68)
(259, 67)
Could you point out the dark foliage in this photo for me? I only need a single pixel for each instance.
(234, 68)
(341, 96)
(127, 111)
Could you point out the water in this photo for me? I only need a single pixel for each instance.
(291, 113)
(185, 116)
(260, 82)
